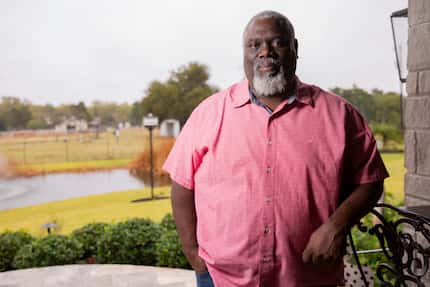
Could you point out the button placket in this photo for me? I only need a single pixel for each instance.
(267, 231)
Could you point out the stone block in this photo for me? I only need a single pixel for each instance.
(419, 11)
(410, 200)
(424, 82)
(418, 47)
(417, 185)
(410, 153)
(423, 153)
(417, 112)
(412, 83)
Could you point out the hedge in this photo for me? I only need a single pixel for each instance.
(10, 243)
(129, 242)
(48, 251)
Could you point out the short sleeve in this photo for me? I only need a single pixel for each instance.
(363, 161)
(186, 156)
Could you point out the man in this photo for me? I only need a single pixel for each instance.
(270, 174)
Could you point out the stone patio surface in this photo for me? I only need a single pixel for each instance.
(98, 275)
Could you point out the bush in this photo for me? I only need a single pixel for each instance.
(129, 242)
(10, 243)
(169, 251)
(88, 236)
(48, 251)
(168, 222)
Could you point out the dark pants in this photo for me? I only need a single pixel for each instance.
(204, 280)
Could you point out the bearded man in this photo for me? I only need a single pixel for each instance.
(270, 174)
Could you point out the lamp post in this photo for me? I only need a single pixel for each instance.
(150, 122)
(399, 27)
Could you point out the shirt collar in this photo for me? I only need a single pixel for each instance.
(240, 93)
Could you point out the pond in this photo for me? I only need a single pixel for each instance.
(21, 192)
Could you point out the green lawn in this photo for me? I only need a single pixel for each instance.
(74, 213)
(394, 184)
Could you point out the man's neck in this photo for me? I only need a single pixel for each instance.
(273, 101)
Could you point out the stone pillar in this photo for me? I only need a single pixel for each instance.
(417, 106)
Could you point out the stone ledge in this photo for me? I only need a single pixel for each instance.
(98, 275)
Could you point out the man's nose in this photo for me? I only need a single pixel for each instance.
(265, 50)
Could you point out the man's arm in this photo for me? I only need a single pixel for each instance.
(184, 212)
(327, 243)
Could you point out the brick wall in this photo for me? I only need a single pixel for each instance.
(417, 105)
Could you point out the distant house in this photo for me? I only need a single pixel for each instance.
(169, 128)
(72, 124)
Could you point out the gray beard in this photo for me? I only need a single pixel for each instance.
(267, 85)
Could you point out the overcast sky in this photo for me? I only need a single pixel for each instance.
(80, 50)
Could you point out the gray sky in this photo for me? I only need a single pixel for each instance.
(61, 51)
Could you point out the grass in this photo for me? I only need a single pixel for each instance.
(77, 166)
(34, 155)
(74, 147)
(394, 184)
(74, 213)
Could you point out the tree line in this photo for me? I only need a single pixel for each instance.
(176, 98)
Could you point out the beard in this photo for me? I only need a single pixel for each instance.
(269, 85)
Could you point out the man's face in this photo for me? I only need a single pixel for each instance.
(270, 54)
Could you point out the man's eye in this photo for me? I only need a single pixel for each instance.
(277, 43)
(254, 45)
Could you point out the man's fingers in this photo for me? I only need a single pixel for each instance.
(306, 255)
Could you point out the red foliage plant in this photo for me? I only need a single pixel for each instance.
(141, 165)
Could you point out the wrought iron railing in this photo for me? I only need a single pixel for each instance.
(405, 243)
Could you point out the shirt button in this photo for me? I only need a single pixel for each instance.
(266, 259)
(269, 142)
(268, 199)
(266, 229)
(268, 169)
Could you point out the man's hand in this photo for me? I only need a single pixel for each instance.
(196, 261)
(326, 245)
(184, 212)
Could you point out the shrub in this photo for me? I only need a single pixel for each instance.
(141, 165)
(88, 236)
(168, 222)
(10, 243)
(48, 251)
(129, 242)
(169, 251)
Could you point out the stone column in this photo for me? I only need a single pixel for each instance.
(417, 106)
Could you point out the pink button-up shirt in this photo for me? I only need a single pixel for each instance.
(263, 183)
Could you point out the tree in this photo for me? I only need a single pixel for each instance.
(179, 95)
(136, 113)
(80, 111)
(14, 113)
(381, 110)
(110, 113)
(361, 99)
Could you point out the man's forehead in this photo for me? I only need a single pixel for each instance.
(260, 27)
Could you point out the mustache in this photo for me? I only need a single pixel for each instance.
(266, 61)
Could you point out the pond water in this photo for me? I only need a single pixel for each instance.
(21, 192)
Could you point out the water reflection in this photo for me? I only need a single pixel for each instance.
(20, 192)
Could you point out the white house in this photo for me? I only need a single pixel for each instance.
(170, 128)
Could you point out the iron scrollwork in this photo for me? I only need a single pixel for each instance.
(405, 242)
